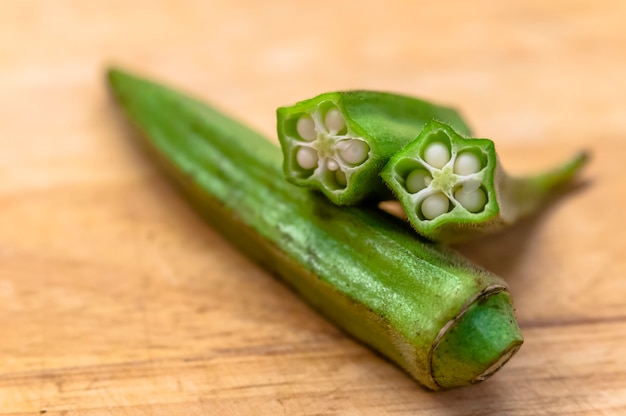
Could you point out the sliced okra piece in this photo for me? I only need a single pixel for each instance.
(339, 142)
(447, 322)
(453, 188)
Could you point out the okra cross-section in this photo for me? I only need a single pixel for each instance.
(452, 188)
(339, 142)
(321, 147)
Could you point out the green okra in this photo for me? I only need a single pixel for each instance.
(453, 188)
(339, 142)
(447, 322)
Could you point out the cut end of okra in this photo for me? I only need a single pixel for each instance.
(321, 149)
(480, 341)
(440, 178)
(349, 136)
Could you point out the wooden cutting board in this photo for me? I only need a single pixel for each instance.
(116, 299)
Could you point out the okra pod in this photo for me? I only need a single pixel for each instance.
(339, 142)
(447, 322)
(453, 188)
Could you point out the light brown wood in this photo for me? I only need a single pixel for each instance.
(115, 299)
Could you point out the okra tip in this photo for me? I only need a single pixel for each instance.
(113, 74)
(565, 172)
(117, 78)
(523, 196)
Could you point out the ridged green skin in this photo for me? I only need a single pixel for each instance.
(508, 198)
(365, 270)
(387, 122)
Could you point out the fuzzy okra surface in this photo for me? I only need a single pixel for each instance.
(445, 321)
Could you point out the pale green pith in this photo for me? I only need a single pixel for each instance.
(325, 145)
(444, 180)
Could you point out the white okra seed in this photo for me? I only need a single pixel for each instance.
(332, 164)
(435, 205)
(437, 155)
(470, 185)
(466, 163)
(306, 157)
(353, 151)
(473, 201)
(306, 128)
(334, 121)
(417, 180)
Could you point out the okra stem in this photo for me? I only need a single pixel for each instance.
(447, 322)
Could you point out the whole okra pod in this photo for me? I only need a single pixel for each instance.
(339, 142)
(445, 321)
(453, 188)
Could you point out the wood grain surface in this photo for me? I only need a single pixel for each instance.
(116, 299)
